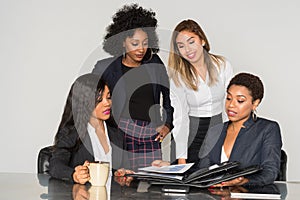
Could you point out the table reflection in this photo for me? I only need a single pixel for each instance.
(58, 189)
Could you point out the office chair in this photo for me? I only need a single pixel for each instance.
(283, 167)
(43, 159)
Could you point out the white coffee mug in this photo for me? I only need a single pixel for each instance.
(99, 173)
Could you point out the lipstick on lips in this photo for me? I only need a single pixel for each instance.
(231, 113)
(107, 112)
(191, 55)
(140, 56)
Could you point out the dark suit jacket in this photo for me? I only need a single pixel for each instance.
(65, 157)
(111, 71)
(259, 143)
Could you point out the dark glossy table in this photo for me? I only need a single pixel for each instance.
(38, 186)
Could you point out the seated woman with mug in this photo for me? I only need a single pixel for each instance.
(246, 138)
(83, 136)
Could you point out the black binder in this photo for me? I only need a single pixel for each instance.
(200, 178)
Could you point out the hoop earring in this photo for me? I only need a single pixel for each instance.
(151, 54)
(254, 115)
(124, 52)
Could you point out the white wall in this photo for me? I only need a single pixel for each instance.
(45, 45)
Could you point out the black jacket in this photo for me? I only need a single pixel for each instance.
(111, 71)
(258, 143)
(65, 157)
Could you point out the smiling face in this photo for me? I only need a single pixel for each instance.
(239, 103)
(136, 47)
(190, 47)
(102, 110)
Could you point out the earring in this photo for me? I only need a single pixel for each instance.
(151, 54)
(124, 52)
(254, 115)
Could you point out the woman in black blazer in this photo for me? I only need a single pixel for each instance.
(245, 138)
(138, 79)
(82, 135)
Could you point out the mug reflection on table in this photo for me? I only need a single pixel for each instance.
(99, 172)
(98, 193)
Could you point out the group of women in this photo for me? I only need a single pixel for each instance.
(114, 113)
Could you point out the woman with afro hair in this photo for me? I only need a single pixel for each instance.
(138, 79)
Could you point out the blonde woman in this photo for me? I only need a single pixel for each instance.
(198, 82)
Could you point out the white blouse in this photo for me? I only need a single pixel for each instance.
(206, 102)
(223, 155)
(98, 149)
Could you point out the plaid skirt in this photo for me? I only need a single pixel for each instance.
(140, 142)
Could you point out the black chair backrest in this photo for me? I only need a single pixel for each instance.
(283, 167)
(43, 159)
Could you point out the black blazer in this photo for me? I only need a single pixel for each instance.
(259, 143)
(111, 71)
(65, 157)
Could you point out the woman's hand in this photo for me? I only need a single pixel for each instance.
(81, 174)
(121, 178)
(162, 131)
(160, 163)
(181, 161)
(225, 192)
(234, 182)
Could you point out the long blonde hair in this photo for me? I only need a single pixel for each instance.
(181, 68)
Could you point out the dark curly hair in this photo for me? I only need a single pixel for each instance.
(251, 82)
(125, 21)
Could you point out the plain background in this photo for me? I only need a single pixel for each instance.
(45, 45)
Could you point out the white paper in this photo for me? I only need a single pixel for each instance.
(171, 169)
(254, 196)
(149, 174)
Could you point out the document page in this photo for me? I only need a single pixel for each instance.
(172, 169)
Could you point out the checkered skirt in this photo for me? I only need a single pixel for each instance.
(140, 142)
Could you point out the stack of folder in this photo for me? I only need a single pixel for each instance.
(189, 176)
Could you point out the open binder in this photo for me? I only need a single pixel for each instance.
(202, 178)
